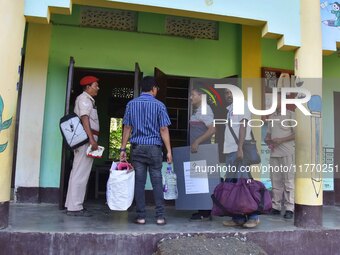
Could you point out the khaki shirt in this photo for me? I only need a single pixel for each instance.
(277, 130)
(85, 105)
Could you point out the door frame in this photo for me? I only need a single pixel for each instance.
(67, 111)
(72, 69)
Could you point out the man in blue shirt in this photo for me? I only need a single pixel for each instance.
(146, 120)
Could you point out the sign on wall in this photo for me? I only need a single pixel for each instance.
(330, 19)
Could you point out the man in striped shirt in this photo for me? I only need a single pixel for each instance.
(146, 120)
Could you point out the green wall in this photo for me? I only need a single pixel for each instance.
(331, 83)
(271, 57)
(116, 50)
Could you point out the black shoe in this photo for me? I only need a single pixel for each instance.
(200, 217)
(81, 213)
(288, 215)
(275, 212)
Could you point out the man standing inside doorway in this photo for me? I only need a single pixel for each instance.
(280, 140)
(86, 110)
(147, 120)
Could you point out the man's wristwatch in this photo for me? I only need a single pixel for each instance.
(122, 149)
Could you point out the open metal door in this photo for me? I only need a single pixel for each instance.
(161, 79)
(138, 78)
(63, 155)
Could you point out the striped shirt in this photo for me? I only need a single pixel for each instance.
(146, 115)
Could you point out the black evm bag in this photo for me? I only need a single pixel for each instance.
(73, 131)
(250, 153)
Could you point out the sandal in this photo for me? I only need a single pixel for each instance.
(200, 217)
(161, 221)
(140, 221)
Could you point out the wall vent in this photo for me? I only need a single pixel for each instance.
(191, 28)
(109, 19)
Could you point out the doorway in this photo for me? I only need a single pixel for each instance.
(174, 93)
(117, 88)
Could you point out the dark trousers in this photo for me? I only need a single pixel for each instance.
(144, 158)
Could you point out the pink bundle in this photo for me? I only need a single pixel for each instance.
(124, 166)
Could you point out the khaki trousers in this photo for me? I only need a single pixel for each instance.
(79, 177)
(283, 182)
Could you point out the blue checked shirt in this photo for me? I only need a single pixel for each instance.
(146, 115)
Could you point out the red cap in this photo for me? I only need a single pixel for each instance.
(87, 80)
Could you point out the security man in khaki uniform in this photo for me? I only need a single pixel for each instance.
(86, 110)
(280, 139)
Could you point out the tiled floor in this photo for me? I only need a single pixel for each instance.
(48, 218)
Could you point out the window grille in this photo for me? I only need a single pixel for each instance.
(126, 93)
(109, 19)
(191, 28)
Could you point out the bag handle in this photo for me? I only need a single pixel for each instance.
(261, 204)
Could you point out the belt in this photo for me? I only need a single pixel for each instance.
(134, 145)
(95, 132)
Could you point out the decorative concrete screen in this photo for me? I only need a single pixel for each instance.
(109, 19)
(191, 28)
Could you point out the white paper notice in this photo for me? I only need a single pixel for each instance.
(196, 182)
